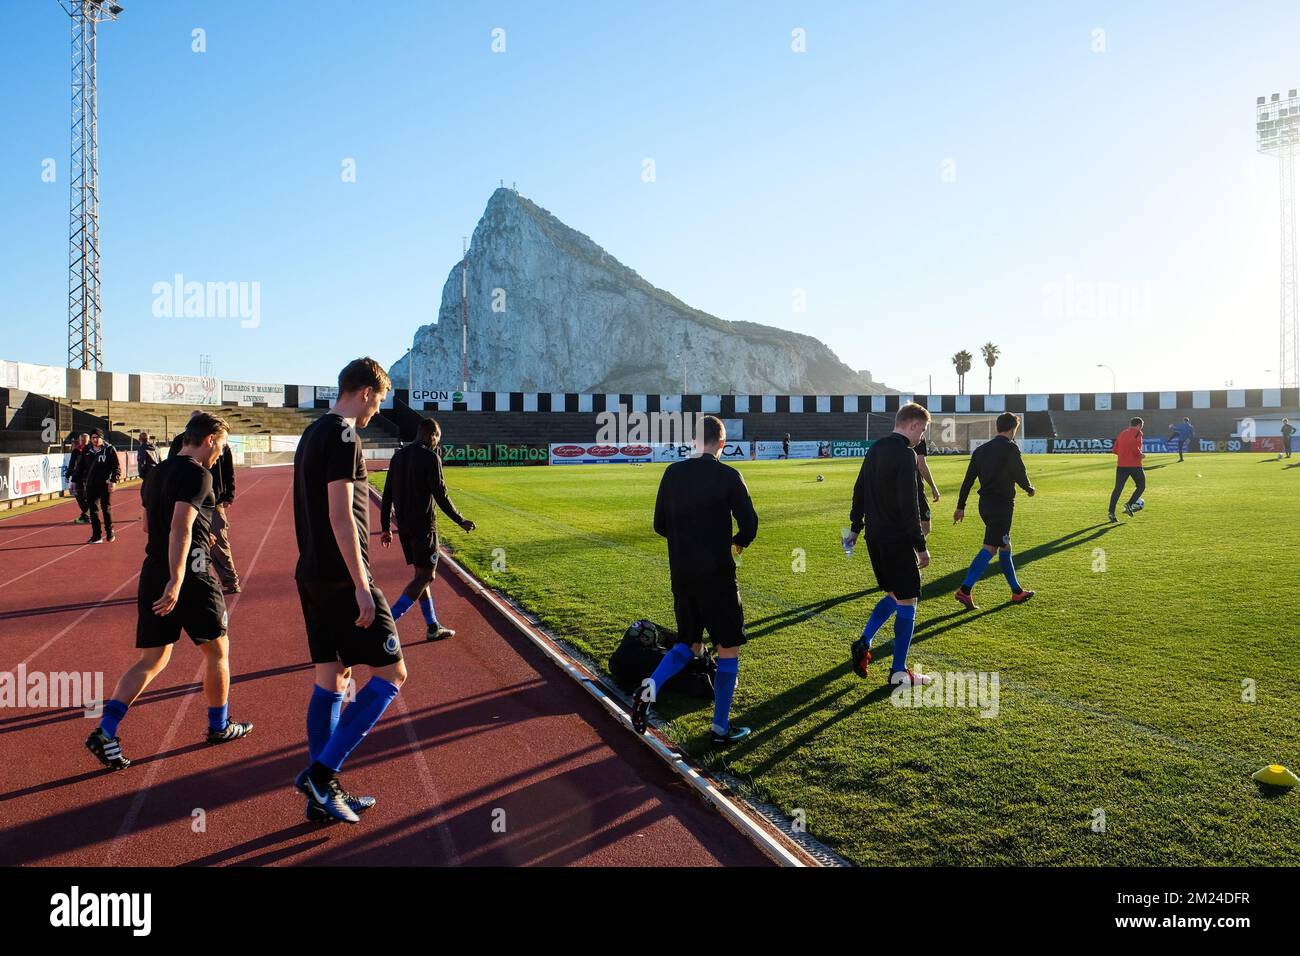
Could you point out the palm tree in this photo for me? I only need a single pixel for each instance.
(991, 353)
(962, 360)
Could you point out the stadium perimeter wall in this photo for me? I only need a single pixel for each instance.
(1068, 421)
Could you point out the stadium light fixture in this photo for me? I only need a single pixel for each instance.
(1277, 132)
(1113, 386)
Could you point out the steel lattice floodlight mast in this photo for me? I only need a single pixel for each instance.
(1277, 128)
(85, 329)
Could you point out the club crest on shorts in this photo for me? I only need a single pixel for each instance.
(392, 644)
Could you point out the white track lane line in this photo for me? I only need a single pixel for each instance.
(426, 778)
(65, 554)
(48, 527)
(108, 597)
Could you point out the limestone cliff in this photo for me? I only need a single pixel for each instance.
(551, 311)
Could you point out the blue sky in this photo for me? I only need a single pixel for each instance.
(931, 175)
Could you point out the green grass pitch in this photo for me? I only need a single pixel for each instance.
(1157, 668)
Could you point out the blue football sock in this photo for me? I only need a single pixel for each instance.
(977, 568)
(671, 665)
(904, 625)
(402, 605)
(322, 718)
(114, 711)
(879, 615)
(426, 605)
(1009, 570)
(362, 714)
(218, 716)
(724, 689)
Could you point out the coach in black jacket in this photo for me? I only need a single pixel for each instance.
(223, 487)
(74, 476)
(146, 460)
(698, 499)
(98, 470)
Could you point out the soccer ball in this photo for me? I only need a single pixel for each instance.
(820, 478)
(1139, 505)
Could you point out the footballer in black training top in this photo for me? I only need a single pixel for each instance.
(414, 485)
(176, 591)
(348, 621)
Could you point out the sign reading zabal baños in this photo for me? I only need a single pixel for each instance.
(501, 453)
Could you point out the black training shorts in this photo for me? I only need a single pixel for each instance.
(419, 548)
(330, 611)
(996, 516)
(922, 502)
(715, 609)
(200, 609)
(894, 563)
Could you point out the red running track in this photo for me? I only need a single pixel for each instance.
(484, 724)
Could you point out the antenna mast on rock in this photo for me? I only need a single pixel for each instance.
(464, 315)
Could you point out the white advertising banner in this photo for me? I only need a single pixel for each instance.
(25, 475)
(576, 453)
(249, 393)
(769, 450)
(37, 475)
(43, 380)
(179, 389)
(731, 451)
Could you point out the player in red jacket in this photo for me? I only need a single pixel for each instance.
(1128, 448)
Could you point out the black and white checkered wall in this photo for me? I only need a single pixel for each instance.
(728, 405)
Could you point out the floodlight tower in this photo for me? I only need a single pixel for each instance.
(85, 332)
(1277, 129)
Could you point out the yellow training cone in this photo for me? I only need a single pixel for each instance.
(1276, 775)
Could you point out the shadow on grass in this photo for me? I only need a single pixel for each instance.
(783, 619)
(789, 708)
(1047, 549)
(780, 712)
(784, 711)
